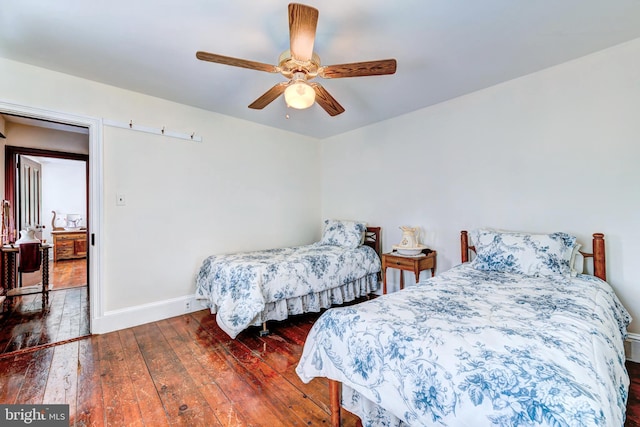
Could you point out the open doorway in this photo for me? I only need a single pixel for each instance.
(38, 183)
(98, 324)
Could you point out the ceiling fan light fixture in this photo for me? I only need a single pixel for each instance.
(299, 95)
(300, 64)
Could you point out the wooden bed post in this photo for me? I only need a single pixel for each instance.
(372, 239)
(599, 259)
(598, 255)
(464, 246)
(334, 402)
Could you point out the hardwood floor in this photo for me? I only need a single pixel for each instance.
(633, 403)
(179, 371)
(68, 273)
(25, 324)
(66, 318)
(185, 371)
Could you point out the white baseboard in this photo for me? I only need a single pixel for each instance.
(133, 316)
(632, 347)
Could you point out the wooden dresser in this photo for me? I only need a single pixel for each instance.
(69, 244)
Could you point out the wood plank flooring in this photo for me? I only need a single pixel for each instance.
(633, 402)
(68, 273)
(179, 371)
(185, 371)
(66, 316)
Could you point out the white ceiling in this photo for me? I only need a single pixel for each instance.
(444, 48)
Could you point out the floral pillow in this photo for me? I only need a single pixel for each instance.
(347, 234)
(523, 253)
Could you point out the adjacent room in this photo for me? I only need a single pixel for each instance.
(167, 134)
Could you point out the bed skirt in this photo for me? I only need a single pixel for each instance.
(369, 413)
(313, 303)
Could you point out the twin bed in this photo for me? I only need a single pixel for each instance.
(516, 337)
(251, 288)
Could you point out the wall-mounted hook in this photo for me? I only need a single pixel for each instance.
(157, 131)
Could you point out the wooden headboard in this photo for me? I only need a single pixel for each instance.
(598, 254)
(372, 239)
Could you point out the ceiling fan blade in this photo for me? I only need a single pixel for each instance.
(269, 96)
(302, 30)
(359, 69)
(326, 101)
(236, 62)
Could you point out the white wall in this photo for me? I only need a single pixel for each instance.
(555, 150)
(244, 187)
(63, 191)
(22, 135)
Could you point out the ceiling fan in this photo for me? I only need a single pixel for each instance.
(300, 64)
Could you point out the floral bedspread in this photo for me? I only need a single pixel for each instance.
(477, 348)
(248, 288)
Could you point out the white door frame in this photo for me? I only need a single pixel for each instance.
(95, 248)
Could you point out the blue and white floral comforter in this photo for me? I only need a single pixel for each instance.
(476, 348)
(249, 288)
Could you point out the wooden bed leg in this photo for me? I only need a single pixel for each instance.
(264, 332)
(334, 401)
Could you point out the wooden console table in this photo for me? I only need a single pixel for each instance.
(69, 244)
(10, 287)
(424, 261)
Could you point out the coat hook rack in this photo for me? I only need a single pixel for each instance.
(163, 131)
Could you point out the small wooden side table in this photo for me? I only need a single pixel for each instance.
(427, 260)
(10, 272)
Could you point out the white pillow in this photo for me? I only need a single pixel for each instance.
(348, 234)
(577, 261)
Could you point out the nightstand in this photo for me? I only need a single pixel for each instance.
(424, 261)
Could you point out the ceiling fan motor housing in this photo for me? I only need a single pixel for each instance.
(288, 66)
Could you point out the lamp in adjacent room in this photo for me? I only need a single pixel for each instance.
(299, 94)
